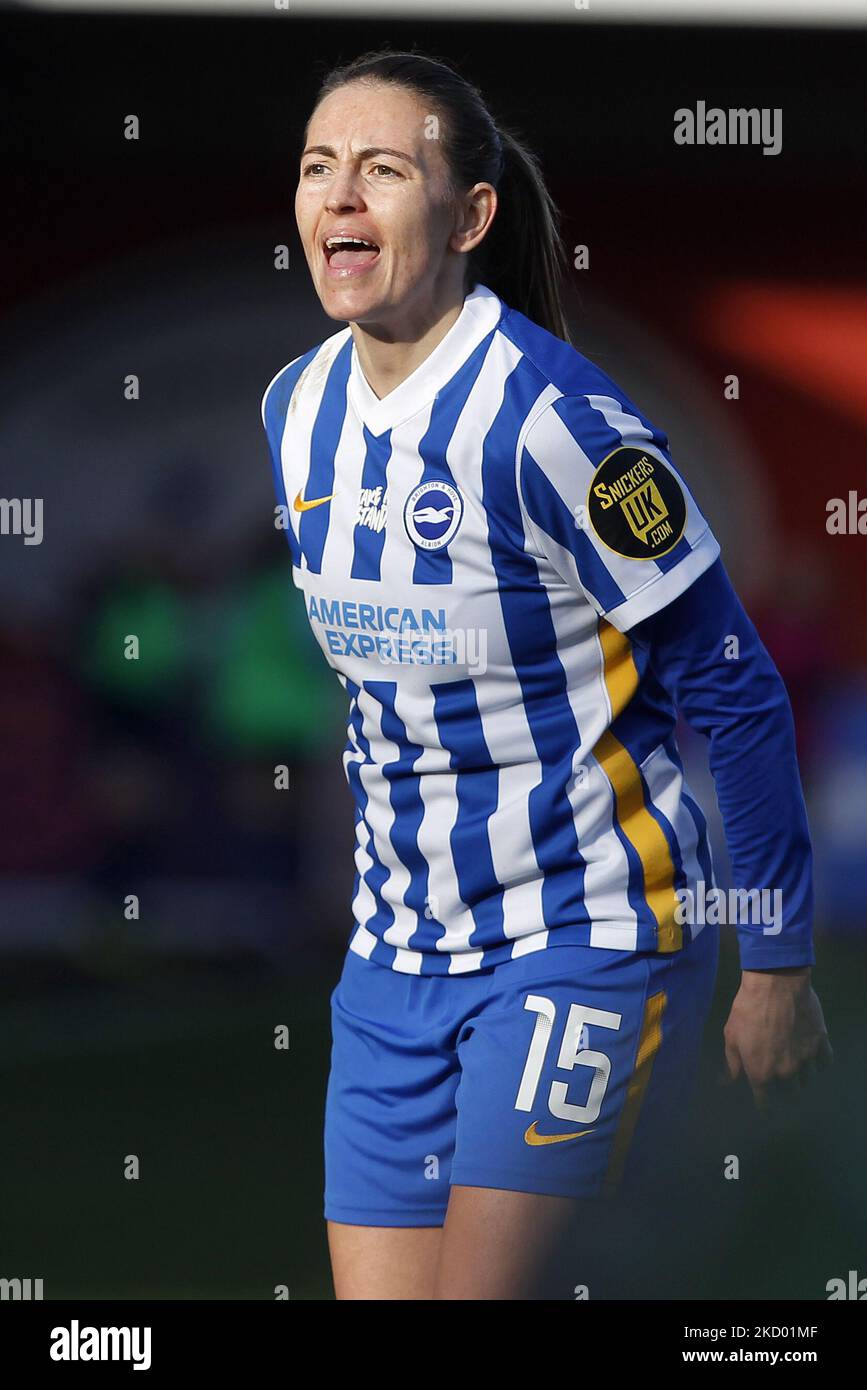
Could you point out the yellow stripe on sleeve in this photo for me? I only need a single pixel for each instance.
(641, 828)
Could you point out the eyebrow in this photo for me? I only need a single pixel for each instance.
(366, 153)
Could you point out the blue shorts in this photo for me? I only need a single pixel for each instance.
(566, 1071)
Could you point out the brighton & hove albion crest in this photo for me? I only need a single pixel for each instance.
(433, 514)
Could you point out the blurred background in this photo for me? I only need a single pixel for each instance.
(153, 1034)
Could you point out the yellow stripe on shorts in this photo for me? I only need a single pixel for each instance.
(649, 1043)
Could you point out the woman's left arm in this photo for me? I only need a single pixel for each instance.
(706, 653)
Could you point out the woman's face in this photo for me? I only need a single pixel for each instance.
(373, 169)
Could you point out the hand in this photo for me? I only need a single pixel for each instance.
(775, 1032)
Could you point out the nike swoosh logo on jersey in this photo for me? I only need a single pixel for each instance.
(301, 506)
(531, 1137)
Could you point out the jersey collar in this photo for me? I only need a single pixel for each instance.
(481, 312)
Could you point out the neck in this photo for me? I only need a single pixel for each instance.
(388, 355)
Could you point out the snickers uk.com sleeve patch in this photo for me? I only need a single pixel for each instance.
(636, 505)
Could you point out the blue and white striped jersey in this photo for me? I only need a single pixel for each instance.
(472, 550)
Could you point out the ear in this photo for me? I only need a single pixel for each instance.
(475, 212)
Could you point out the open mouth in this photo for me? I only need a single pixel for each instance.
(349, 253)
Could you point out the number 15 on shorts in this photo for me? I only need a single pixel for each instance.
(571, 1055)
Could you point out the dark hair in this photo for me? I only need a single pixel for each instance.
(520, 258)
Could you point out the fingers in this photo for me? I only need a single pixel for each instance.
(811, 1066)
(808, 1071)
(772, 1093)
(774, 1096)
(733, 1064)
(772, 1089)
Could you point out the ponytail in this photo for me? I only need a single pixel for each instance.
(521, 257)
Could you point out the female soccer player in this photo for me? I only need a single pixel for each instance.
(517, 589)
